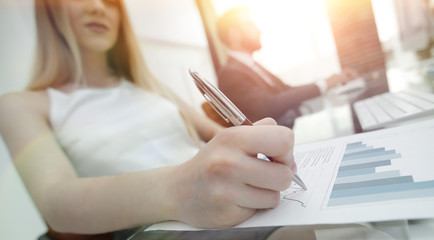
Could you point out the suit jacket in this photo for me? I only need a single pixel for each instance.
(258, 99)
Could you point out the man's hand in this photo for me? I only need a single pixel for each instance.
(342, 78)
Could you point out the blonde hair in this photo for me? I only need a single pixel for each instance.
(58, 59)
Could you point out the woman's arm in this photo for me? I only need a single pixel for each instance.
(221, 186)
(68, 203)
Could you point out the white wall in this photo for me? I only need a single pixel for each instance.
(172, 40)
(170, 63)
(19, 218)
(17, 43)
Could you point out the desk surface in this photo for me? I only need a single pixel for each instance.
(403, 230)
(335, 119)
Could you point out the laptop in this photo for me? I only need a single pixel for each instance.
(391, 108)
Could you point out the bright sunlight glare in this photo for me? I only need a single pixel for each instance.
(294, 33)
(297, 36)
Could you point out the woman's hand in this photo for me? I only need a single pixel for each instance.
(225, 182)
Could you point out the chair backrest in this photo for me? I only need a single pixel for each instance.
(213, 115)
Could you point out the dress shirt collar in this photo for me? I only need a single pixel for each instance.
(243, 57)
(247, 60)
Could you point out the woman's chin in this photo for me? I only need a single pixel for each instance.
(99, 45)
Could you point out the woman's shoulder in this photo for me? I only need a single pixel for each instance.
(35, 102)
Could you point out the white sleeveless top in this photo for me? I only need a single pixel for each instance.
(116, 130)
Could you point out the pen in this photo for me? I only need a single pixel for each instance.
(227, 110)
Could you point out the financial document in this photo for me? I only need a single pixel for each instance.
(376, 176)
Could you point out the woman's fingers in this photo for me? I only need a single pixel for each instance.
(243, 144)
(272, 141)
(265, 121)
(263, 174)
(257, 198)
(271, 121)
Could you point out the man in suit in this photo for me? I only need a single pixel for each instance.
(256, 91)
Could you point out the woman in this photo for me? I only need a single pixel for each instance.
(102, 146)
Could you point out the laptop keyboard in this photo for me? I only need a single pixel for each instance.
(392, 107)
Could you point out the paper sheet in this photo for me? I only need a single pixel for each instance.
(375, 176)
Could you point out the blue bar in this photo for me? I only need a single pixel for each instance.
(372, 183)
(370, 159)
(418, 193)
(367, 177)
(355, 145)
(355, 172)
(368, 153)
(357, 149)
(382, 189)
(366, 165)
(366, 150)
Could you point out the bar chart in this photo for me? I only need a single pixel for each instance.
(359, 182)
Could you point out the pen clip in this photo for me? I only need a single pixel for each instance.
(218, 101)
(215, 107)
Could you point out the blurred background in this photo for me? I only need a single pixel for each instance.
(390, 42)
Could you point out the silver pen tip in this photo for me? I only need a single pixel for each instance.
(298, 180)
